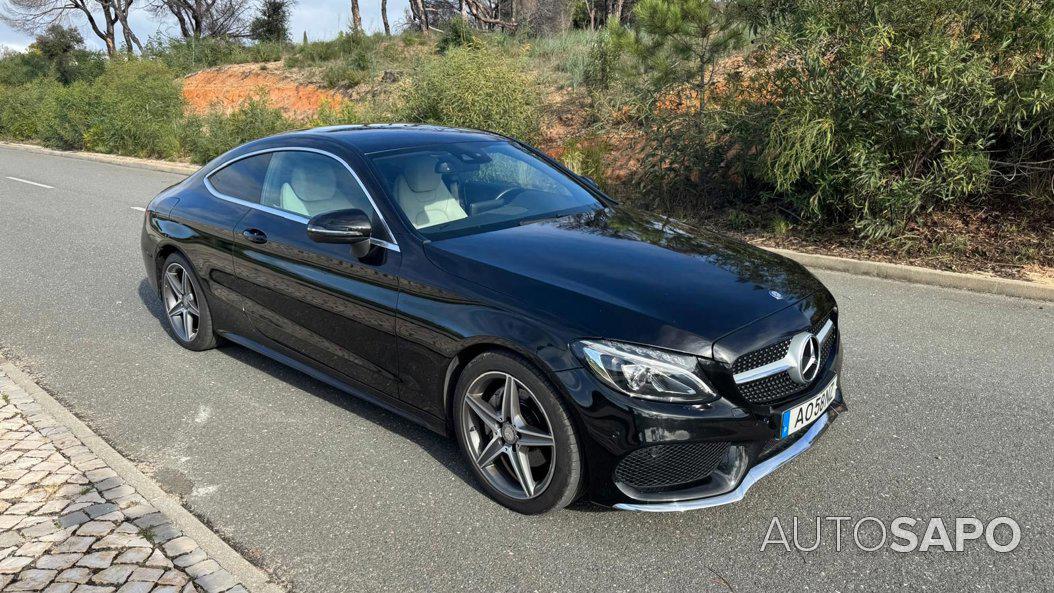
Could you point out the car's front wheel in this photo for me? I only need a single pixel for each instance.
(186, 310)
(517, 434)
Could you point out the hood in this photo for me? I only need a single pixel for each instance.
(624, 275)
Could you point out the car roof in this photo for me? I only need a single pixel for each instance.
(383, 137)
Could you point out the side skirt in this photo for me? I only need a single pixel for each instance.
(437, 425)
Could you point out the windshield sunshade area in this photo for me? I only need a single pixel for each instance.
(465, 188)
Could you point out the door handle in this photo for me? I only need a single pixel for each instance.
(255, 235)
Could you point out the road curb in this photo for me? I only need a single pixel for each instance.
(917, 275)
(126, 161)
(251, 577)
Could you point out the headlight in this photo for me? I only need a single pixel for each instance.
(645, 372)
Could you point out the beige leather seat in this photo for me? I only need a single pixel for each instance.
(312, 191)
(424, 197)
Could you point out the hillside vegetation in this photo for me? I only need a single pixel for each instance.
(914, 132)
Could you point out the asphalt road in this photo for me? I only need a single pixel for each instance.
(950, 398)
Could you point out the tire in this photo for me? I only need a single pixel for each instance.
(556, 469)
(201, 335)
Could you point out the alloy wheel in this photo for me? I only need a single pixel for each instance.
(509, 435)
(181, 305)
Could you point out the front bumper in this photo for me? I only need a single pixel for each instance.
(618, 429)
(752, 476)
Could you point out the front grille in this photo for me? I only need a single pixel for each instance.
(762, 357)
(780, 387)
(770, 389)
(669, 467)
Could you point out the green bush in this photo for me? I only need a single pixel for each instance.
(344, 74)
(139, 106)
(68, 116)
(23, 108)
(905, 108)
(862, 115)
(475, 89)
(190, 55)
(352, 48)
(207, 136)
(567, 53)
(456, 33)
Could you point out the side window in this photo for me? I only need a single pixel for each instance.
(242, 179)
(309, 184)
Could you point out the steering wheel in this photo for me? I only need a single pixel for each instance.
(505, 196)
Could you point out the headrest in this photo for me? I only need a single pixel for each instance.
(314, 184)
(420, 175)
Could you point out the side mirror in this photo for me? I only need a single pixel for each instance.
(352, 227)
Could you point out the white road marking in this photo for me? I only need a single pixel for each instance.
(139, 208)
(30, 182)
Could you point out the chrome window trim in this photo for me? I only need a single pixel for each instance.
(784, 364)
(391, 245)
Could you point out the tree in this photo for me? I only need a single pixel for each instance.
(57, 44)
(356, 16)
(678, 42)
(34, 16)
(272, 24)
(205, 18)
(384, 17)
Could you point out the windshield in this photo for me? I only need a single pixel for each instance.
(459, 189)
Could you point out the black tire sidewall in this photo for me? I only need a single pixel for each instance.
(567, 481)
(205, 339)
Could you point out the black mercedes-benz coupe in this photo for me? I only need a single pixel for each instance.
(573, 347)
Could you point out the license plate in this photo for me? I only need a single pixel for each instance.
(805, 414)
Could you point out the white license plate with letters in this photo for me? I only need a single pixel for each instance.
(804, 414)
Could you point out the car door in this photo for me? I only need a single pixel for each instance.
(202, 223)
(316, 299)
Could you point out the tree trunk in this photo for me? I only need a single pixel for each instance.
(131, 41)
(356, 17)
(463, 9)
(591, 8)
(618, 11)
(422, 15)
(384, 18)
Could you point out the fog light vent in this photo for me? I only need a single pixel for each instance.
(669, 467)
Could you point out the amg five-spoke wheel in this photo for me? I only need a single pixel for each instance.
(185, 306)
(180, 303)
(509, 435)
(517, 435)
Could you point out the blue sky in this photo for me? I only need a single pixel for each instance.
(322, 19)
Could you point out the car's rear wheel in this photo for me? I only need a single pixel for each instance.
(517, 434)
(186, 309)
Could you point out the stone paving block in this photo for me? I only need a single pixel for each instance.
(13, 564)
(179, 546)
(58, 561)
(61, 588)
(135, 587)
(114, 575)
(217, 581)
(202, 568)
(32, 580)
(134, 556)
(77, 574)
(76, 543)
(99, 560)
(146, 574)
(173, 577)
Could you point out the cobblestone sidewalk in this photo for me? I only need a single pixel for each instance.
(70, 524)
